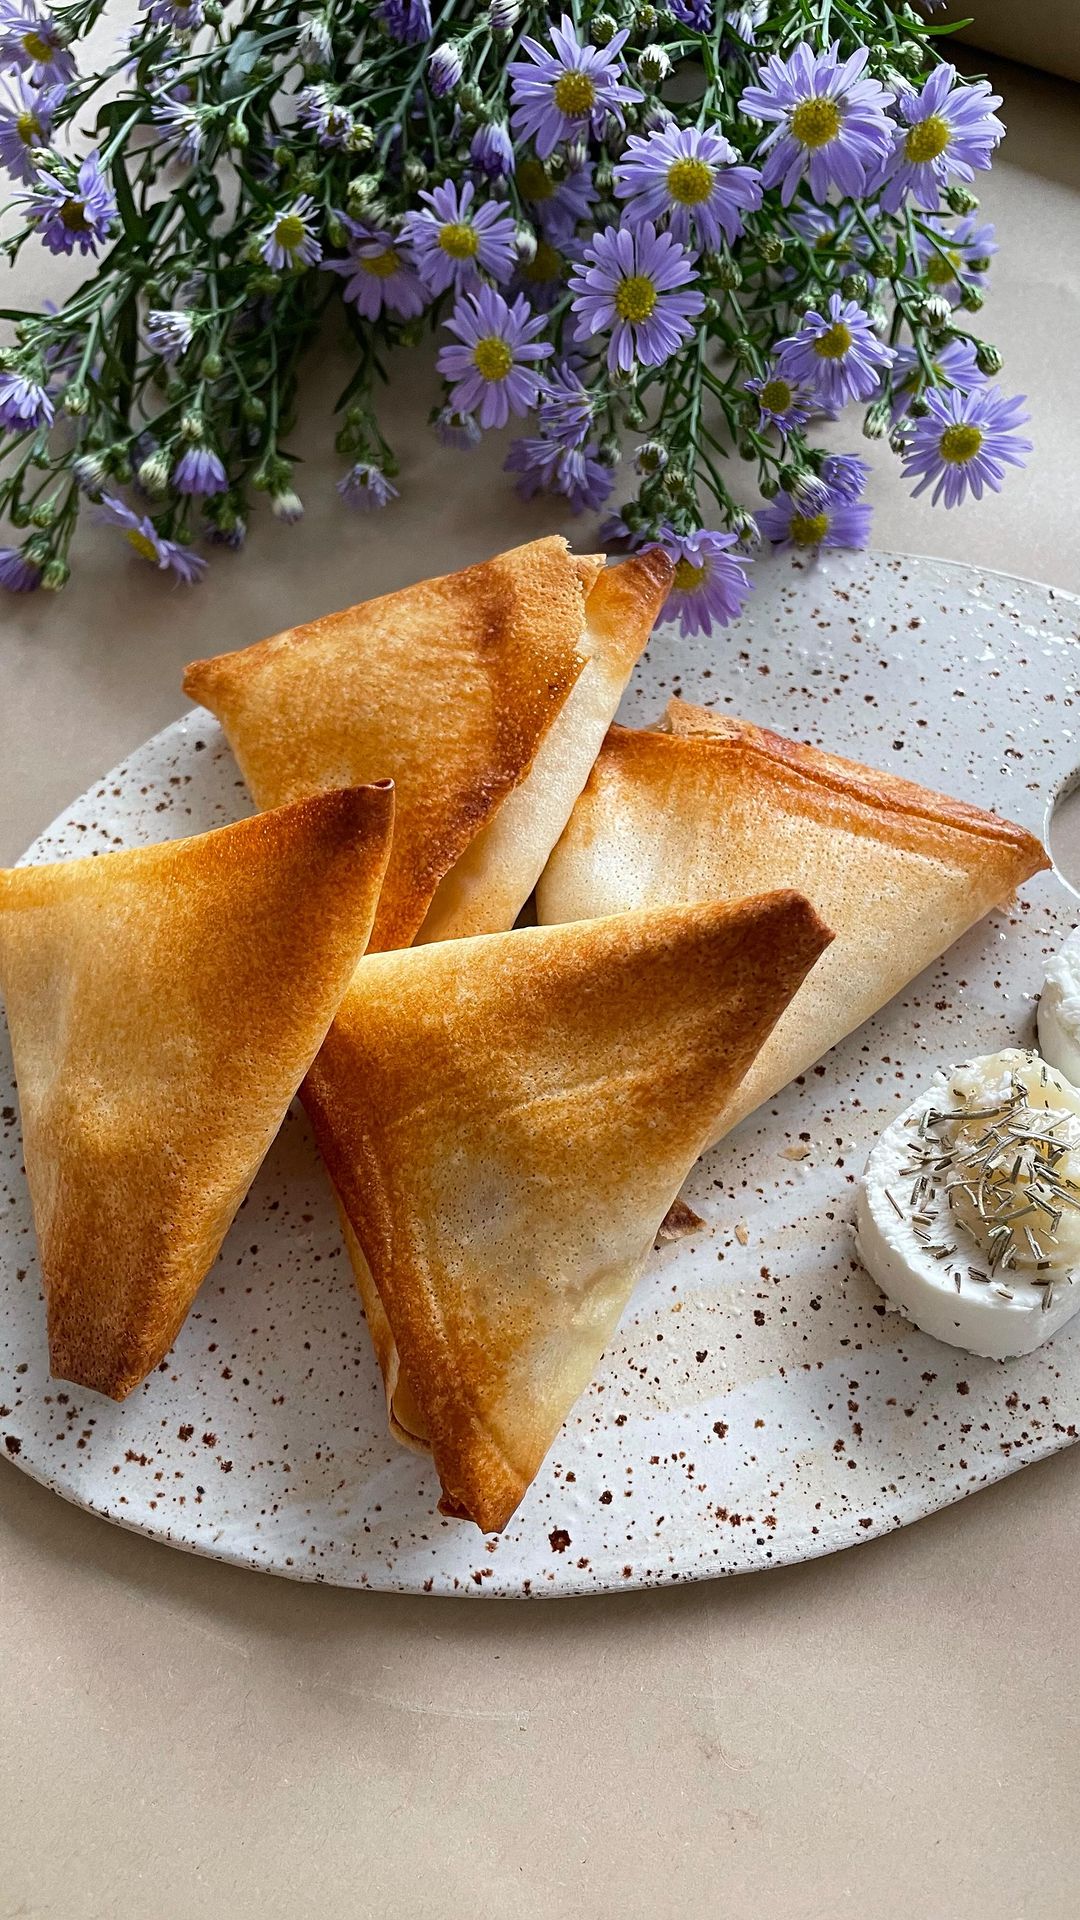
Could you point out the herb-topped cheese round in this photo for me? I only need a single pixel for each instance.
(968, 1214)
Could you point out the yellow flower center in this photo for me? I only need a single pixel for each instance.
(142, 544)
(290, 232)
(927, 139)
(73, 215)
(690, 182)
(776, 396)
(960, 444)
(492, 358)
(459, 240)
(635, 297)
(382, 265)
(546, 265)
(809, 529)
(941, 270)
(28, 128)
(815, 122)
(835, 343)
(36, 45)
(687, 578)
(574, 94)
(533, 182)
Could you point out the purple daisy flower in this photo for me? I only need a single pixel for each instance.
(149, 544)
(366, 487)
(26, 121)
(452, 239)
(585, 479)
(406, 21)
(24, 403)
(288, 240)
(378, 274)
(565, 406)
(696, 14)
(965, 443)
(200, 470)
(954, 366)
(444, 69)
(457, 430)
(743, 24)
(169, 332)
(844, 475)
(634, 281)
(34, 44)
(73, 213)
(18, 573)
(493, 367)
(181, 128)
(958, 260)
(688, 176)
(949, 131)
(814, 524)
(321, 114)
(837, 354)
(544, 466)
(183, 16)
(831, 123)
(558, 204)
(711, 583)
(491, 151)
(783, 403)
(557, 96)
(536, 462)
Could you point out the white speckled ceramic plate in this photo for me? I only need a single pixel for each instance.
(759, 1404)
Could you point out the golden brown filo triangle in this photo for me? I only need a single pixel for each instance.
(461, 690)
(715, 807)
(164, 1006)
(507, 1120)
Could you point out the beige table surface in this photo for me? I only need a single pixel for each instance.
(890, 1732)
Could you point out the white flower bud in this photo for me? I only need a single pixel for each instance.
(876, 422)
(314, 46)
(153, 473)
(287, 506)
(654, 65)
(936, 312)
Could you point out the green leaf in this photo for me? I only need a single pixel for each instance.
(136, 226)
(110, 116)
(948, 26)
(244, 50)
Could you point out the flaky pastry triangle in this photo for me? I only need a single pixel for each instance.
(507, 1120)
(715, 807)
(481, 694)
(164, 1005)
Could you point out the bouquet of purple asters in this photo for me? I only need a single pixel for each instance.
(664, 233)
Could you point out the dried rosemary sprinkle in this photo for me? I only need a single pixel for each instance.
(1017, 1148)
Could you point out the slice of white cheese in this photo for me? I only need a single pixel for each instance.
(934, 1259)
(1059, 1011)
